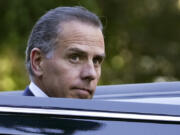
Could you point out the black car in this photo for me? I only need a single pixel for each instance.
(135, 109)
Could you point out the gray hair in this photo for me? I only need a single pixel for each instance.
(45, 31)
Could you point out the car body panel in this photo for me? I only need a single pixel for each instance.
(126, 112)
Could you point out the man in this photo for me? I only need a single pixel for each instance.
(64, 54)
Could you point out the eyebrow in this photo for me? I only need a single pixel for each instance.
(77, 50)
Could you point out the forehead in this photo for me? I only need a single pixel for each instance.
(81, 35)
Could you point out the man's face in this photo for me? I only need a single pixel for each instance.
(75, 66)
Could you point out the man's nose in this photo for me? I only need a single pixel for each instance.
(89, 72)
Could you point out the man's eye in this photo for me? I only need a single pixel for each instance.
(97, 61)
(74, 58)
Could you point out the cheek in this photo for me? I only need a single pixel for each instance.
(53, 71)
(98, 73)
(66, 71)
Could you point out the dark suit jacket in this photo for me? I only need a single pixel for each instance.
(27, 92)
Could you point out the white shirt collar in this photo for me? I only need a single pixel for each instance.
(36, 90)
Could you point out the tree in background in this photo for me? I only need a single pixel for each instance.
(141, 37)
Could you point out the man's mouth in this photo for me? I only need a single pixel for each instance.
(83, 91)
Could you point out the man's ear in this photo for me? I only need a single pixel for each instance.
(36, 58)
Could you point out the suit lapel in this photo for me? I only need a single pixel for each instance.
(27, 92)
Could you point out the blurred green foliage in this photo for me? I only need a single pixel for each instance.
(142, 38)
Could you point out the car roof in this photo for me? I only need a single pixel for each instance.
(88, 104)
(159, 93)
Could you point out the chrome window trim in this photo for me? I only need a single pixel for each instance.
(86, 113)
